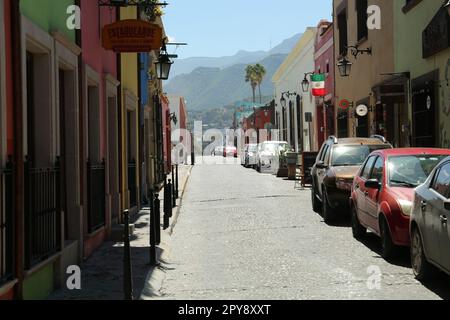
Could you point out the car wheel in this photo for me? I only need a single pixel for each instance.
(421, 267)
(327, 212)
(387, 246)
(317, 206)
(357, 228)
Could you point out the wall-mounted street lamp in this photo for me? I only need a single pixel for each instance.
(355, 51)
(288, 94)
(344, 65)
(305, 82)
(163, 64)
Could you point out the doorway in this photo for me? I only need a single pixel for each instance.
(424, 102)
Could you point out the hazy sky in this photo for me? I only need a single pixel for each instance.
(215, 28)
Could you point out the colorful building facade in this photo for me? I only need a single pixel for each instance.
(423, 55)
(370, 85)
(86, 115)
(7, 241)
(297, 119)
(99, 121)
(324, 64)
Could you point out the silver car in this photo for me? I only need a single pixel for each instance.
(429, 228)
(248, 157)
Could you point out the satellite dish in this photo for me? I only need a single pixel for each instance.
(362, 110)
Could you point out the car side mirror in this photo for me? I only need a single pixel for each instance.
(321, 165)
(372, 184)
(447, 205)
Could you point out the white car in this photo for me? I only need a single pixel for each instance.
(248, 157)
(268, 155)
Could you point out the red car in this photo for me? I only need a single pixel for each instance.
(230, 151)
(383, 193)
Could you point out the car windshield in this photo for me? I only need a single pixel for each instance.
(411, 171)
(353, 155)
(253, 148)
(274, 147)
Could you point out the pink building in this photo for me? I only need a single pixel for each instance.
(324, 63)
(99, 119)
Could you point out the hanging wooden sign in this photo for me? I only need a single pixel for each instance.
(132, 36)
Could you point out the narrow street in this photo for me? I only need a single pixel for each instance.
(244, 235)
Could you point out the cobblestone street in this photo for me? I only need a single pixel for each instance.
(244, 235)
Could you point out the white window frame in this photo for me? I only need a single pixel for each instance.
(36, 40)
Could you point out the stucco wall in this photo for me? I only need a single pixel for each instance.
(50, 15)
(408, 56)
(288, 78)
(367, 69)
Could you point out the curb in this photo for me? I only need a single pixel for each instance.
(156, 276)
(177, 214)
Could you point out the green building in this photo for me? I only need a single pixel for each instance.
(50, 99)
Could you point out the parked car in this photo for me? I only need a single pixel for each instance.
(248, 156)
(430, 232)
(218, 151)
(383, 192)
(230, 151)
(332, 175)
(268, 154)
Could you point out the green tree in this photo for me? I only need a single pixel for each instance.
(260, 75)
(251, 76)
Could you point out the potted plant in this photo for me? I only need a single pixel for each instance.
(282, 163)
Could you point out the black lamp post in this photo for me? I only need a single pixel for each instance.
(344, 67)
(305, 82)
(163, 66)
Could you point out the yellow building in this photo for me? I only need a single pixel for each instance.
(130, 164)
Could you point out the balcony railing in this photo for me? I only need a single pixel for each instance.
(132, 183)
(96, 196)
(42, 213)
(6, 224)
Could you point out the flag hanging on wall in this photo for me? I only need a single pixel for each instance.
(318, 85)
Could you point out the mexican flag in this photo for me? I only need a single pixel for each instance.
(318, 85)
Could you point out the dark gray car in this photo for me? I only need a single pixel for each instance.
(430, 231)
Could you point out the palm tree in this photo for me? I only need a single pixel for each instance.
(260, 75)
(252, 77)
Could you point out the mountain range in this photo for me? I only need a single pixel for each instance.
(184, 66)
(215, 82)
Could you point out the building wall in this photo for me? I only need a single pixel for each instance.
(6, 110)
(99, 59)
(288, 78)
(100, 70)
(130, 102)
(367, 69)
(8, 144)
(45, 34)
(324, 63)
(408, 57)
(50, 15)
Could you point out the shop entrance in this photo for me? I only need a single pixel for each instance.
(424, 111)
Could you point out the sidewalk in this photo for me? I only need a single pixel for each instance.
(102, 273)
